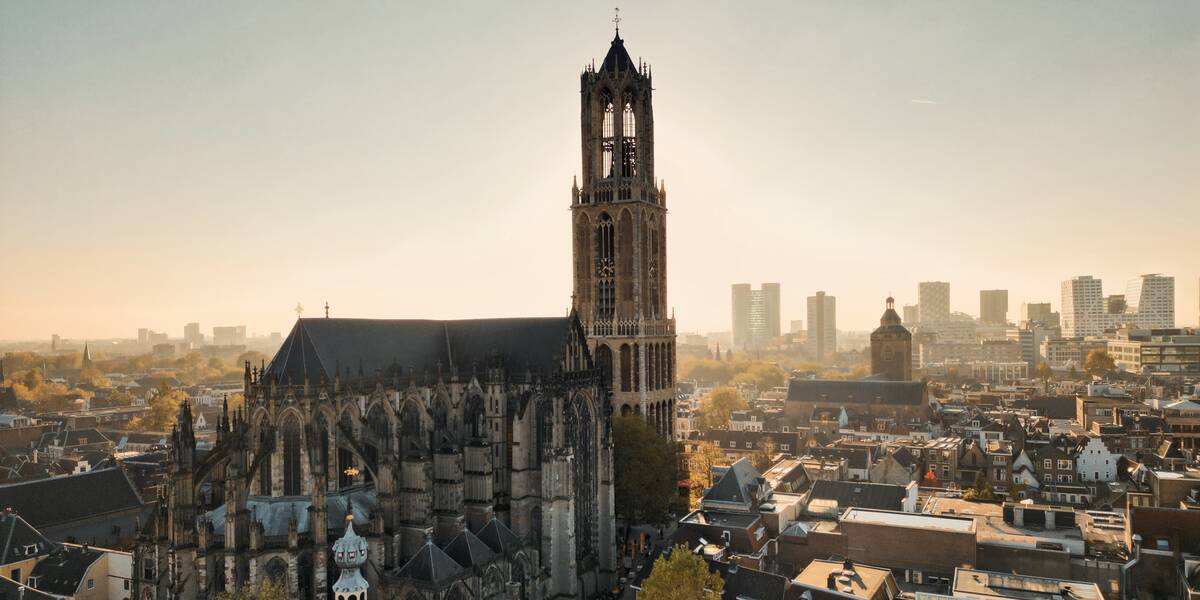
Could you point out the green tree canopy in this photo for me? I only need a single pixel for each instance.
(645, 469)
(682, 576)
(716, 408)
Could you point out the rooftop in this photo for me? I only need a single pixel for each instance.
(860, 580)
(910, 520)
(1007, 585)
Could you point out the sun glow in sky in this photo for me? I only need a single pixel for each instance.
(170, 162)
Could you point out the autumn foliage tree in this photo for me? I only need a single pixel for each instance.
(682, 576)
(1099, 363)
(700, 467)
(164, 409)
(716, 408)
(265, 589)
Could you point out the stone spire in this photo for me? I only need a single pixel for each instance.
(350, 553)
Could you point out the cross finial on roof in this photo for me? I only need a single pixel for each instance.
(326, 309)
(299, 310)
(617, 19)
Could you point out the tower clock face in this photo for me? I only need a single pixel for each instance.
(605, 268)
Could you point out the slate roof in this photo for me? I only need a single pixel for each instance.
(431, 565)
(910, 393)
(276, 513)
(318, 347)
(500, 538)
(11, 590)
(469, 551)
(739, 484)
(618, 58)
(73, 437)
(20, 541)
(48, 502)
(61, 572)
(858, 494)
(856, 458)
(742, 582)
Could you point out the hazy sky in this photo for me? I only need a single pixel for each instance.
(165, 162)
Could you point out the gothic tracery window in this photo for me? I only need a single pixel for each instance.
(605, 269)
(606, 137)
(581, 430)
(290, 432)
(412, 439)
(264, 469)
(628, 141)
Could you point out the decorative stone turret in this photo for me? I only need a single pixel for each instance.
(350, 553)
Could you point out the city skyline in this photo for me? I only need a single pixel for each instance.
(938, 103)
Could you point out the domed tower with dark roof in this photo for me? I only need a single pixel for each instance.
(350, 554)
(618, 211)
(891, 347)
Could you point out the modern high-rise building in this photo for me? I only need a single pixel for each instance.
(933, 301)
(1039, 312)
(755, 315)
(910, 315)
(192, 336)
(822, 325)
(993, 306)
(1082, 307)
(229, 336)
(740, 302)
(1151, 298)
(797, 326)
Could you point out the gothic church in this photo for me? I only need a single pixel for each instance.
(473, 457)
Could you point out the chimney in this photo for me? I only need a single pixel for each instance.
(831, 581)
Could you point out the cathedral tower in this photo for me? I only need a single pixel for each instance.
(618, 212)
(891, 347)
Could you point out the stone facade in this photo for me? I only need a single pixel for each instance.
(891, 347)
(495, 429)
(619, 232)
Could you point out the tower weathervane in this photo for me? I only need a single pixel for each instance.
(299, 310)
(617, 19)
(326, 309)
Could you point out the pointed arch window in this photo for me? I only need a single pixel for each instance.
(607, 133)
(628, 140)
(264, 469)
(605, 269)
(291, 456)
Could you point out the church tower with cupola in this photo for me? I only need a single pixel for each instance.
(618, 211)
(891, 347)
(350, 554)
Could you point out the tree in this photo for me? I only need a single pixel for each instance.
(1099, 363)
(764, 456)
(700, 467)
(644, 466)
(716, 408)
(682, 575)
(94, 377)
(265, 589)
(1045, 373)
(164, 409)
